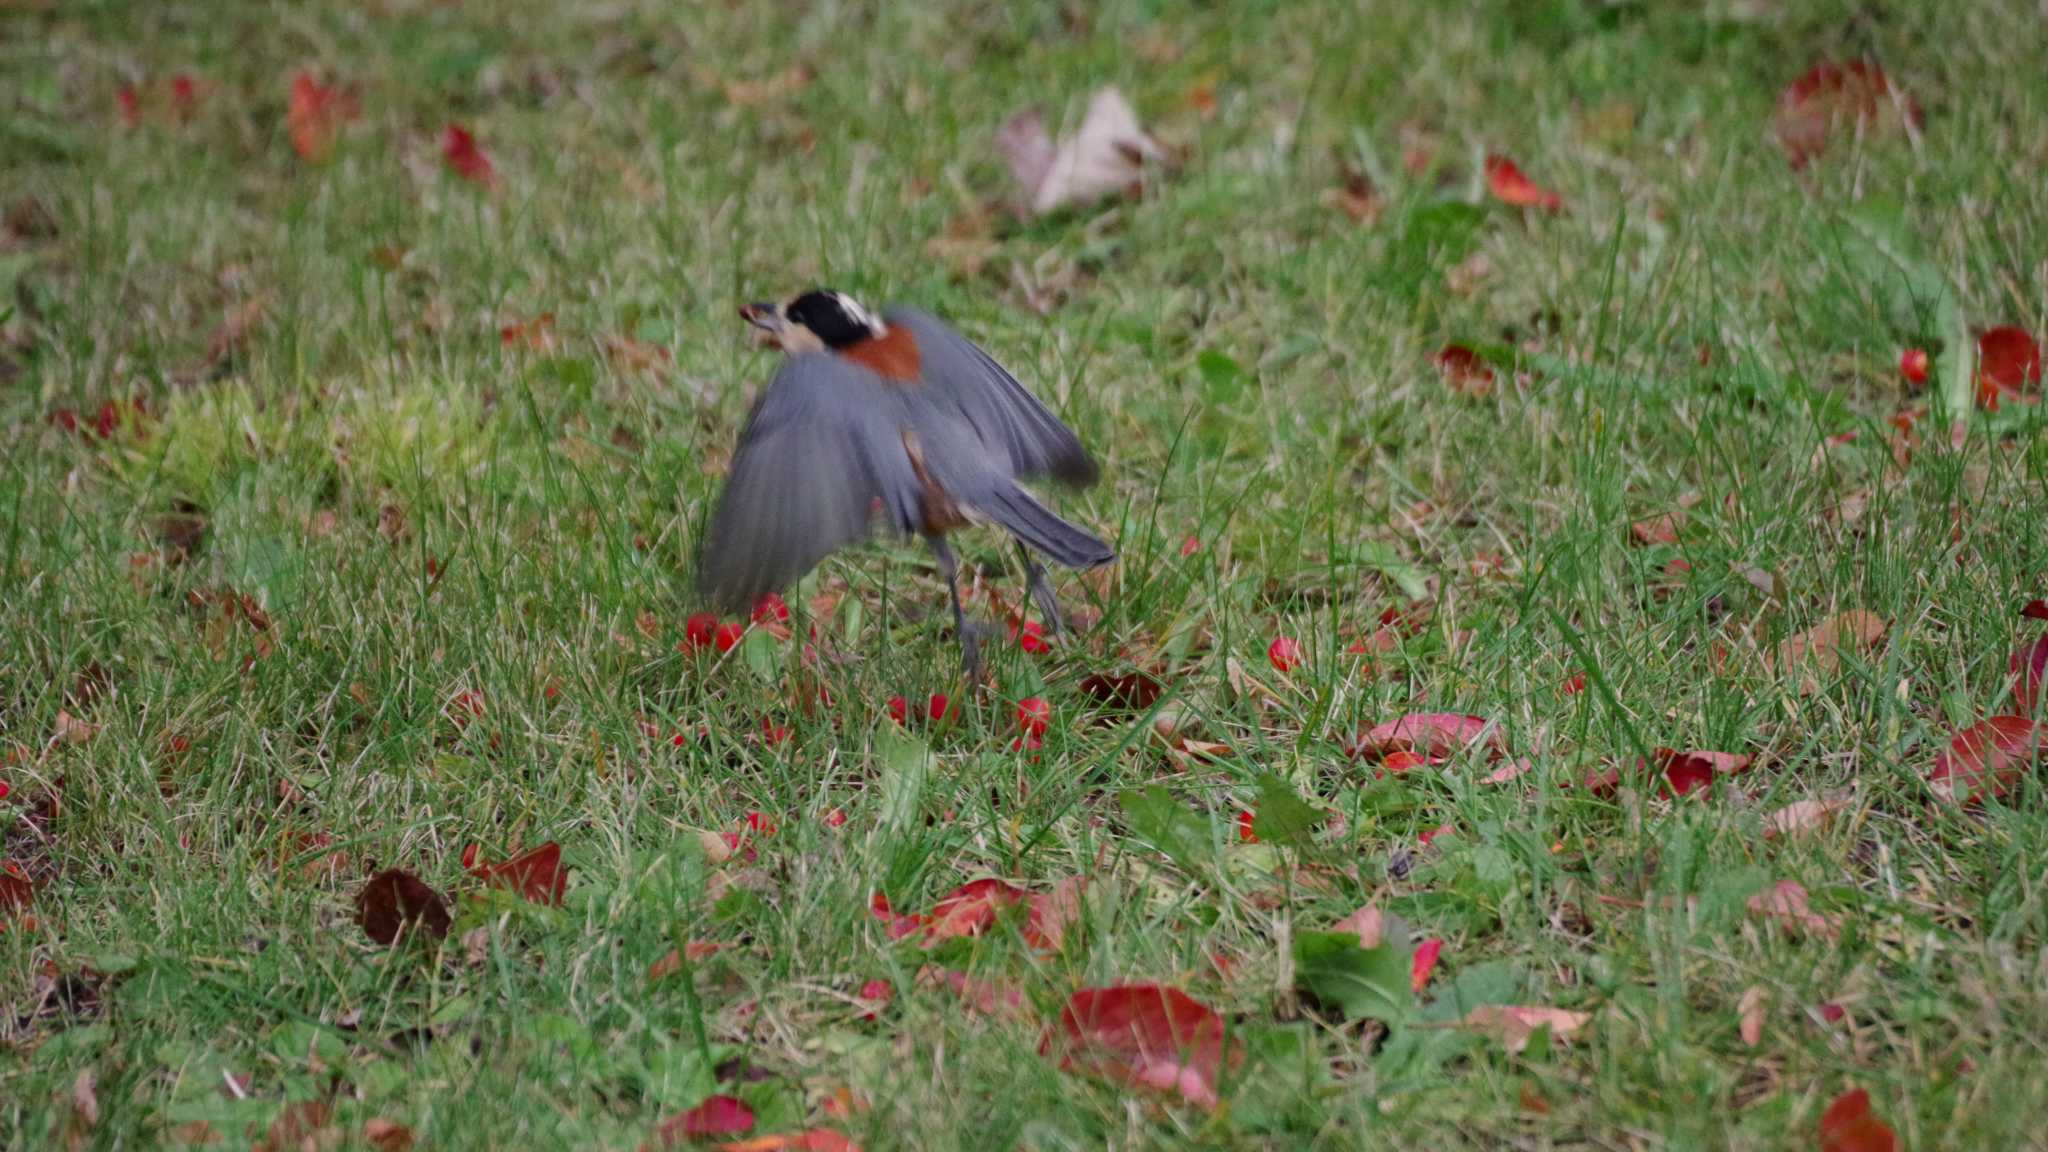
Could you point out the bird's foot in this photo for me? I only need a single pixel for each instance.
(972, 633)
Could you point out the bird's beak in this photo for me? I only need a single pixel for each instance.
(764, 316)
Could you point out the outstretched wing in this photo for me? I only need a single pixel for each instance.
(1006, 416)
(822, 444)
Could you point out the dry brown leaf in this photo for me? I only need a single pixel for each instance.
(1514, 1024)
(1803, 815)
(387, 1135)
(1105, 157)
(72, 730)
(1367, 924)
(1750, 1013)
(1785, 901)
(1817, 651)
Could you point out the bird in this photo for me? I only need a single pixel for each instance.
(895, 417)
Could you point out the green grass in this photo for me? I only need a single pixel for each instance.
(422, 510)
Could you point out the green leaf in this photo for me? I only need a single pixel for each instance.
(1957, 363)
(1382, 558)
(1363, 983)
(762, 654)
(905, 764)
(1282, 817)
(1167, 825)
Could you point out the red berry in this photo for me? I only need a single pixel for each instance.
(1030, 742)
(899, 710)
(65, 418)
(1285, 653)
(4, 789)
(936, 706)
(770, 609)
(698, 630)
(835, 818)
(1190, 546)
(1034, 713)
(1244, 827)
(1575, 685)
(1913, 365)
(727, 637)
(679, 739)
(108, 419)
(759, 824)
(1030, 637)
(772, 732)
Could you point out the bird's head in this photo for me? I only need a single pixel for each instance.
(820, 318)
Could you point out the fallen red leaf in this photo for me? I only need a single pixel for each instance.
(185, 93)
(1685, 771)
(314, 115)
(2008, 365)
(1849, 1126)
(129, 101)
(1245, 820)
(1661, 529)
(1463, 371)
(1145, 1035)
(466, 157)
(539, 335)
(717, 1116)
(394, 900)
(1829, 95)
(1987, 759)
(1504, 178)
(1432, 735)
(387, 1135)
(2035, 610)
(16, 892)
(537, 875)
(1426, 954)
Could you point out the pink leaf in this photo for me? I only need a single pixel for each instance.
(1504, 178)
(1426, 954)
(1429, 734)
(466, 157)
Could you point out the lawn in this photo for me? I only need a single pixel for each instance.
(1524, 713)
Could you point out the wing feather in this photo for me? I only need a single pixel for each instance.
(812, 460)
(1006, 416)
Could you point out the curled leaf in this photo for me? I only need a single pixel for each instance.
(1786, 903)
(1686, 771)
(1105, 157)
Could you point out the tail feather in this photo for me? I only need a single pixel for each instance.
(1044, 532)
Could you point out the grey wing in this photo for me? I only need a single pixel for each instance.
(822, 444)
(1006, 416)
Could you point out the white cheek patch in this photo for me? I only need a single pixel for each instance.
(858, 314)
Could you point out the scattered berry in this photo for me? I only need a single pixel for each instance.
(1913, 365)
(1576, 684)
(937, 706)
(771, 609)
(1244, 827)
(899, 710)
(698, 631)
(1285, 653)
(1030, 637)
(836, 818)
(759, 824)
(1034, 713)
(1190, 546)
(727, 637)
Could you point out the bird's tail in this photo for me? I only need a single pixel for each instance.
(1036, 526)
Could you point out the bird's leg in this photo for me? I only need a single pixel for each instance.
(1040, 588)
(968, 631)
